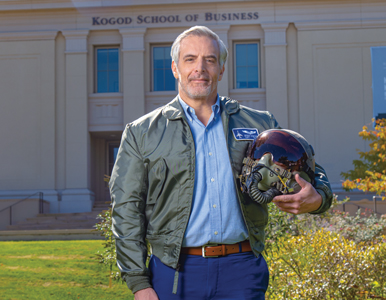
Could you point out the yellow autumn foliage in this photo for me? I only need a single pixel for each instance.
(325, 265)
(369, 173)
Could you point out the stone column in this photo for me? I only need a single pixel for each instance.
(133, 82)
(76, 197)
(276, 70)
(222, 32)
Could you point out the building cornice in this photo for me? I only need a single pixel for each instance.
(76, 41)
(275, 34)
(16, 5)
(28, 35)
(347, 24)
(133, 39)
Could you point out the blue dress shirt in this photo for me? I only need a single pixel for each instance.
(216, 215)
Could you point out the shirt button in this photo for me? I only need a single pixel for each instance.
(210, 153)
(212, 180)
(206, 130)
(216, 232)
(214, 205)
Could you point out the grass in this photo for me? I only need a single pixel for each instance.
(55, 270)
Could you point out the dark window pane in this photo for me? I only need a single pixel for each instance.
(107, 70)
(241, 79)
(159, 81)
(163, 79)
(241, 55)
(252, 54)
(113, 82)
(158, 57)
(113, 59)
(102, 82)
(247, 69)
(252, 77)
(102, 59)
(168, 63)
(170, 81)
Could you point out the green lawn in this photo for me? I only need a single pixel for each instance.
(55, 270)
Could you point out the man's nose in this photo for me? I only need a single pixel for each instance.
(200, 66)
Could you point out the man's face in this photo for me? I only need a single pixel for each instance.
(198, 70)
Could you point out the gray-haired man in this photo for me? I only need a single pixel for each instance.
(175, 186)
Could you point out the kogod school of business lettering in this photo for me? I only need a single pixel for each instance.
(175, 18)
(73, 73)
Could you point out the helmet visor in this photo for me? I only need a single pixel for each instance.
(286, 151)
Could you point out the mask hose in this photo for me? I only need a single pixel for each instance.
(259, 196)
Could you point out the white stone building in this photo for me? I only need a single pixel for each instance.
(73, 73)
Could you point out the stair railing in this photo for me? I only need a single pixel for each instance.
(30, 196)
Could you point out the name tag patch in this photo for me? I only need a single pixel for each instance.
(245, 134)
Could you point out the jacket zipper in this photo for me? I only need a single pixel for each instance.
(230, 161)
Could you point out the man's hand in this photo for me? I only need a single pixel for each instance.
(146, 294)
(307, 200)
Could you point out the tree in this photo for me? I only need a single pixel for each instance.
(369, 173)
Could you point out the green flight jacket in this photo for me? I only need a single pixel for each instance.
(153, 179)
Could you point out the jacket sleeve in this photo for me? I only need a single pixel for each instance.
(128, 188)
(321, 184)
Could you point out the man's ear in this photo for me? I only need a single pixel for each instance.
(221, 73)
(174, 69)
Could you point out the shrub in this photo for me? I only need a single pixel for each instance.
(107, 257)
(325, 265)
(369, 173)
(328, 256)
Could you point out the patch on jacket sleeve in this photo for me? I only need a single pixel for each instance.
(245, 134)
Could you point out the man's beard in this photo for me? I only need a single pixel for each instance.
(198, 92)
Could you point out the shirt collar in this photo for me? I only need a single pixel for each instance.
(189, 111)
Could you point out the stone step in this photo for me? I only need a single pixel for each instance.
(54, 218)
(50, 226)
(37, 221)
(49, 235)
(91, 213)
(47, 221)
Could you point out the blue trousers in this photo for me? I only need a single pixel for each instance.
(239, 276)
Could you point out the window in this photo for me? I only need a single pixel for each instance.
(112, 154)
(246, 65)
(107, 70)
(378, 63)
(163, 79)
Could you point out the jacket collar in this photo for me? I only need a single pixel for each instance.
(173, 110)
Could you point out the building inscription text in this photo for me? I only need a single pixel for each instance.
(208, 17)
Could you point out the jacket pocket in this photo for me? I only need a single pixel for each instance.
(156, 182)
(157, 176)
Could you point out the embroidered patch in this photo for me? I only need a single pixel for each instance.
(245, 134)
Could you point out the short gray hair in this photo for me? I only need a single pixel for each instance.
(199, 31)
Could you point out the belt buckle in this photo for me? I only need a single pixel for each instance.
(203, 250)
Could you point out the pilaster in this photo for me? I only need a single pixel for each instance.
(77, 195)
(223, 85)
(276, 70)
(133, 81)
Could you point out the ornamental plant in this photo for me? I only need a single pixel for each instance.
(108, 256)
(325, 265)
(329, 256)
(369, 173)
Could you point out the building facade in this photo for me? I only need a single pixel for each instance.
(73, 73)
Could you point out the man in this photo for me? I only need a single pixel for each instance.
(174, 185)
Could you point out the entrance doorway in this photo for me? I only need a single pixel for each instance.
(104, 149)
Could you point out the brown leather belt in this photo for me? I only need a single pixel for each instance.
(217, 250)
